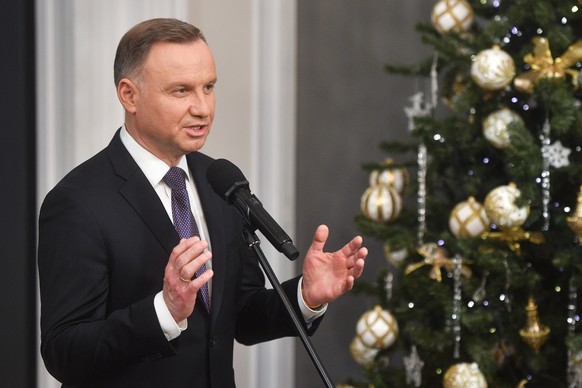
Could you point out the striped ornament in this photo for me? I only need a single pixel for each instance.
(381, 203)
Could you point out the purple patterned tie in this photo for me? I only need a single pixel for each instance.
(182, 214)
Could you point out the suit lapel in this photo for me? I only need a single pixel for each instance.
(141, 196)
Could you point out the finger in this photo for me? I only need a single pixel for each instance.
(358, 268)
(189, 270)
(179, 249)
(195, 248)
(201, 280)
(352, 247)
(320, 238)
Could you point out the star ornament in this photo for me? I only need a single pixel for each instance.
(413, 365)
(558, 155)
(418, 108)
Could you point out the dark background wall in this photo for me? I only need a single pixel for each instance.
(17, 201)
(347, 105)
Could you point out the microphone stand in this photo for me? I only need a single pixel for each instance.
(254, 243)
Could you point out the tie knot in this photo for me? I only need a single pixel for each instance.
(175, 178)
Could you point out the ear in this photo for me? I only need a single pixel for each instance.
(128, 93)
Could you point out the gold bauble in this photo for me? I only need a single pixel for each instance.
(452, 15)
(495, 127)
(468, 219)
(535, 334)
(501, 209)
(464, 375)
(377, 328)
(493, 69)
(381, 203)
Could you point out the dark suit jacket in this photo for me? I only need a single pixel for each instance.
(104, 241)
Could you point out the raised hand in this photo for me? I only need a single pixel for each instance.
(326, 276)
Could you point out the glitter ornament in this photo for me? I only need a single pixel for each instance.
(394, 177)
(468, 219)
(501, 209)
(362, 354)
(535, 334)
(495, 127)
(381, 203)
(493, 69)
(464, 375)
(452, 15)
(377, 328)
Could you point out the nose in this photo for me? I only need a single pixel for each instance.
(201, 104)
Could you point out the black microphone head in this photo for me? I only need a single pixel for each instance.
(225, 178)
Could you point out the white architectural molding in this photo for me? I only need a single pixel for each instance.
(273, 153)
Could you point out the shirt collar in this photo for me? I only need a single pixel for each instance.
(153, 167)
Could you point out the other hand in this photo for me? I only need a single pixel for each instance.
(327, 276)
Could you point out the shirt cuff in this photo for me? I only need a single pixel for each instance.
(309, 315)
(170, 328)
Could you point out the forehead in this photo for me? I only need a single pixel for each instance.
(192, 59)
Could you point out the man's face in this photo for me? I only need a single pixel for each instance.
(174, 102)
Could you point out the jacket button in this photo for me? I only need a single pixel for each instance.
(212, 342)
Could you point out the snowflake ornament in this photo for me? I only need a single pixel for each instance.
(558, 155)
(418, 108)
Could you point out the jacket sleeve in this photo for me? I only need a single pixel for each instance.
(80, 338)
(262, 315)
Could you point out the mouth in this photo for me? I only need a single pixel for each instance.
(197, 130)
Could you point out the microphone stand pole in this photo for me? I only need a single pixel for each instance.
(254, 243)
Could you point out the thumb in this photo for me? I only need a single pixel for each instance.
(320, 238)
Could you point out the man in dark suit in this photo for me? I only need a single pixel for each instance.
(127, 300)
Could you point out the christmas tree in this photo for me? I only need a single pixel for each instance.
(481, 212)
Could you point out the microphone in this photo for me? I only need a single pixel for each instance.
(228, 182)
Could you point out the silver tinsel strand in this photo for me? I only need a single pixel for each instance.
(421, 177)
(507, 299)
(422, 159)
(574, 366)
(545, 141)
(388, 281)
(456, 317)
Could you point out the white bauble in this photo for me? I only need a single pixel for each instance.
(377, 328)
(362, 354)
(468, 219)
(381, 203)
(464, 375)
(395, 257)
(396, 178)
(495, 127)
(452, 15)
(501, 209)
(493, 69)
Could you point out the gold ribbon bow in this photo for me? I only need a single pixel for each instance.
(543, 65)
(512, 237)
(437, 258)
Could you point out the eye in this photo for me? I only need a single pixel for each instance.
(180, 91)
(209, 88)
